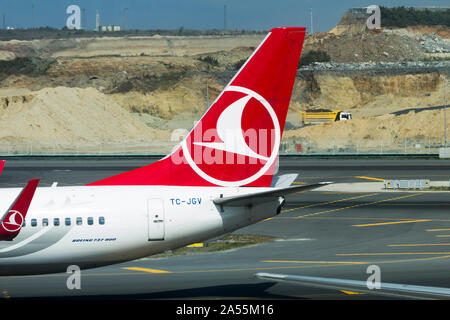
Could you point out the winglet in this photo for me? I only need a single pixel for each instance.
(2, 164)
(13, 219)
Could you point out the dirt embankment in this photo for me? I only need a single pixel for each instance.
(362, 95)
(187, 95)
(142, 93)
(441, 31)
(367, 95)
(60, 112)
(366, 46)
(424, 128)
(61, 115)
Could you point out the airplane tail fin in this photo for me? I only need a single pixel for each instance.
(12, 221)
(236, 142)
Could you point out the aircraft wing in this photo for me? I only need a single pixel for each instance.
(248, 199)
(386, 289)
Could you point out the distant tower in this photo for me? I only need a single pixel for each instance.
(312, 29)
(125, 19)
(83, 19)
(32, 15)
(225, 17)
(4, 21)
(97, 21)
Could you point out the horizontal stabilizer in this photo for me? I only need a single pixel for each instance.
(2, 164)
(248, 199)
(385, 289)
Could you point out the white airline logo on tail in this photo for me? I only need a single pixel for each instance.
(231, 133)
(12, 223)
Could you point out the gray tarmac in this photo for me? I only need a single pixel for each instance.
(324, 234)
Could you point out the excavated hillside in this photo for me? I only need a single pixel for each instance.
(142, 89)
(129, 46)
(366, 94)
(55, 116)
(423, 130)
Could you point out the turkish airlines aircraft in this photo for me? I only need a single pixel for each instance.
(219, 179)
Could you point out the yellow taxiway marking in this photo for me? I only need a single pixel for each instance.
(5, 294)
(369, 178)
(299, 182)
(341, 192)
(337, 263)
(314, 265)
(196, 245)
(420, 204)
(361, 218)
(374, 218)
(418, 244)
(329, 202)
(432, 230)
(386, 223)
(359, 205)
(314, 262)
(146, 270)
(350, 292)
(325, 264)
(389, 253)
(443, 235)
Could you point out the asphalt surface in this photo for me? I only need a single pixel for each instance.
(324, 234)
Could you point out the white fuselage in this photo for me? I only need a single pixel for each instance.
(115, 224)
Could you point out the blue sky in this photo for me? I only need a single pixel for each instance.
(192, 14)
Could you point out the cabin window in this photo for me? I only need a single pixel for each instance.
(45, 222)
(101, 220)
(79, 221)
(90, 221)
(23, 224)
(33, 222)
(56, 222)
(67, 221)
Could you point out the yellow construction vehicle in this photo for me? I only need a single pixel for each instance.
(320, 116)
